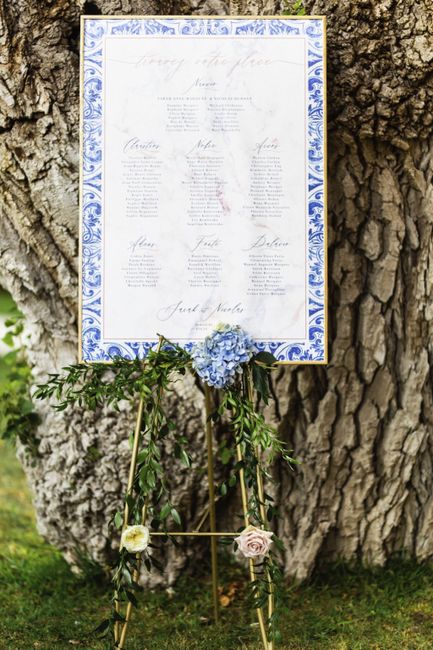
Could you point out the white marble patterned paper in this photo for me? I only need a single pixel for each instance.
(203, 184)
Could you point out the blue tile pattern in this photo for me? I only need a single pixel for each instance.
(93, 348)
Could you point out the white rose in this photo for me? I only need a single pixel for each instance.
(254, 542)
(135, 539)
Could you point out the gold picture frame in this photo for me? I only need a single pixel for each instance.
(321, 18)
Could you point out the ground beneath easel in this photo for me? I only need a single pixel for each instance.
(44, 606)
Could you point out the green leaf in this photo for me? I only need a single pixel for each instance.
(261, 382)
(102, 627)
(165, 511)
(176, 516)
(185, 458)
(266, 358)
(276, 636)
(118, 520)
(164, 430)
(232, 480)
(11, 321)
(117, 617)
(157, 564)
(278, 543)
(142, 455)
(8, 339)
(226, 455)
(127, 575)
(131, 597)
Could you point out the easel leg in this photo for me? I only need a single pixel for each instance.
(263, 518)
(132, 466)
(212, 517)
(244, 496)
(135, 576)
(120, 630)
(262, 508)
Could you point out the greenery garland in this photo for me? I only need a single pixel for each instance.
(96, 385)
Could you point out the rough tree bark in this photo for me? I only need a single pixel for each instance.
(363, 425)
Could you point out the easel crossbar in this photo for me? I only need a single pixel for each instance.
(193, 534)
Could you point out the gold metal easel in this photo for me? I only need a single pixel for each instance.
(120, 628)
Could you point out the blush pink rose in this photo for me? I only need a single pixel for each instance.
(254, 542)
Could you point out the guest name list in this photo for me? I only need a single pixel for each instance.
(204, 209)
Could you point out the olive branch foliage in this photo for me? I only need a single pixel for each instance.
(99, 384)
(18, 419)
(252, 433)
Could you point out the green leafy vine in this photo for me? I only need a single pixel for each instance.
(148, 499)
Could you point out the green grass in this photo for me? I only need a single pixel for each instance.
(43, 605)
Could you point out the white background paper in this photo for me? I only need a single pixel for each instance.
(184, 121)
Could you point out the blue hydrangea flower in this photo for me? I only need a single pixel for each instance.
(219, 358)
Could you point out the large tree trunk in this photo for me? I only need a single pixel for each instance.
(363, 425)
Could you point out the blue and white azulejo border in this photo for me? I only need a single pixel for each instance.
(92, 347)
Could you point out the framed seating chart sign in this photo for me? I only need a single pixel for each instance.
(203, 189)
